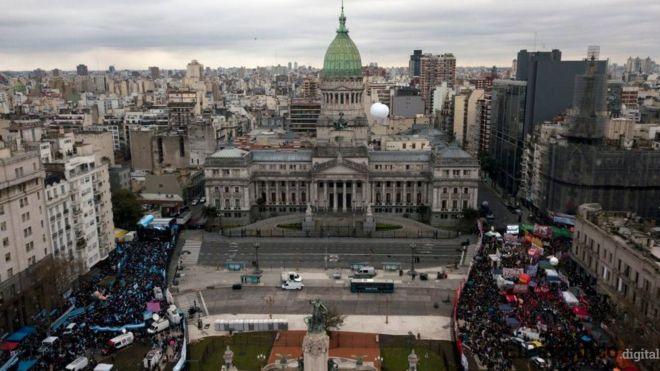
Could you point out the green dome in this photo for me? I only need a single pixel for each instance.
(342, 59)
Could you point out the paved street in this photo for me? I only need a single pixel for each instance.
(254, 299)
(311, 252)
(503, 216)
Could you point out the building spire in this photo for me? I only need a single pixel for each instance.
(342, 20)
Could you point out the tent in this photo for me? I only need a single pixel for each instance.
(512, 322)
(21, 334)
(153, 306)
(524, 278)
(9, 345)
(26, 365)
(569, 298)
(581, 312)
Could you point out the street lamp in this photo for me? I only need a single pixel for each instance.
(256, 258)
(412, 260)
(261, 358)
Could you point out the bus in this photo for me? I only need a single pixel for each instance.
(370, 285)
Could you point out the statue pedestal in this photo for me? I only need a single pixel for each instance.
(315, 351)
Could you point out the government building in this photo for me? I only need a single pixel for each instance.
(341, 174)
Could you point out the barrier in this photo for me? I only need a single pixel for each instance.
(454, 318)
(184, 349)
(132, 326)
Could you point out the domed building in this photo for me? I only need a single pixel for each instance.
(342, 118)
(341, 174)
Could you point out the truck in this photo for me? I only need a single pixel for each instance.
(291, 276)
(120, 341)
(173, 315)
(364, 271)
(292, 285)
(152, 359)
(158, 325)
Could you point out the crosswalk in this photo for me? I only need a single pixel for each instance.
(190, 252)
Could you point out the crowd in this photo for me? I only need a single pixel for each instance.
(114, 294)
(495, 318)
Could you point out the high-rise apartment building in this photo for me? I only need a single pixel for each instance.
(434, 70)
(24, 236)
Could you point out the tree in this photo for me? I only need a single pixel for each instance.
(126, 209)
(334, 319)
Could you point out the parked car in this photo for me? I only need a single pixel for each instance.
(194, 202)
(202, 200)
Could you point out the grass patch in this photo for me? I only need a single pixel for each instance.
(206, 354)
(397, 359)
(387, 227)
(433, 355)
(291, 226)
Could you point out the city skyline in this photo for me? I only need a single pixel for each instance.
(481, 33)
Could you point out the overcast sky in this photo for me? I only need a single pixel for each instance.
(136, 34)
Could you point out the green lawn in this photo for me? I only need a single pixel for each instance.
(206, 354)
(387, 227)
(292, 226)
(433, 356)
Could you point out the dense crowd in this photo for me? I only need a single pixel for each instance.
(490, 313)
(113, 295)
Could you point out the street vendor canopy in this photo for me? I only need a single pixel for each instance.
(569, 298)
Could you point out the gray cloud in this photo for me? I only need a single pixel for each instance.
(168, 33)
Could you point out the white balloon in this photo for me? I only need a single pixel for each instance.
(554, 261)
(380, 111)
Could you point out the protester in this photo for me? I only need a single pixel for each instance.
(114, 295)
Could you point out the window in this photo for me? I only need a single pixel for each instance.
(29, 246)
(225, 172)
(3, 226)
(455, 190)
(444, 190)
(237, 203)
(466, 172)
(27, 232)
(8, 257)
(444, 204)
(454, 204)
(5, 241)
(236, 189)
(456, 173)
(465, 204)
(23, 202)
(2, 210)
(465, 190)
(10, 273)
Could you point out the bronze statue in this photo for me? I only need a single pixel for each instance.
(316, 323)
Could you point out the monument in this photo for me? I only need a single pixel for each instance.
(308, 222)
(369, 223)
(228, 358)
(316, 343)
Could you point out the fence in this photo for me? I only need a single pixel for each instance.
(338, 231)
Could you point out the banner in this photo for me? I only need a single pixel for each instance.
(511, 272)
(519, 289)
(532, 270)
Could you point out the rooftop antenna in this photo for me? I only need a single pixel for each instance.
(593, 52)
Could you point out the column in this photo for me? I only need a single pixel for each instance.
(365, 193)
(383, 199)
(325, 194)
(267, 193)
(414, 195)
(403, 193)
(353, 195)
(334, 196)
(343, 195)
(277, 192)
(287, 196)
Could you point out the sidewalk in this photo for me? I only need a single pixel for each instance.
(428, 327)
(198, 277)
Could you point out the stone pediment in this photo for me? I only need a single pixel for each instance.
(340, 166)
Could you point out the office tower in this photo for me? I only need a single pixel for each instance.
(507, 134)
(81, 70)
(111, 69)
(550, 84)
(414, 67)
(154, 72)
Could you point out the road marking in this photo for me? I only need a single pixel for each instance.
(201, 297)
